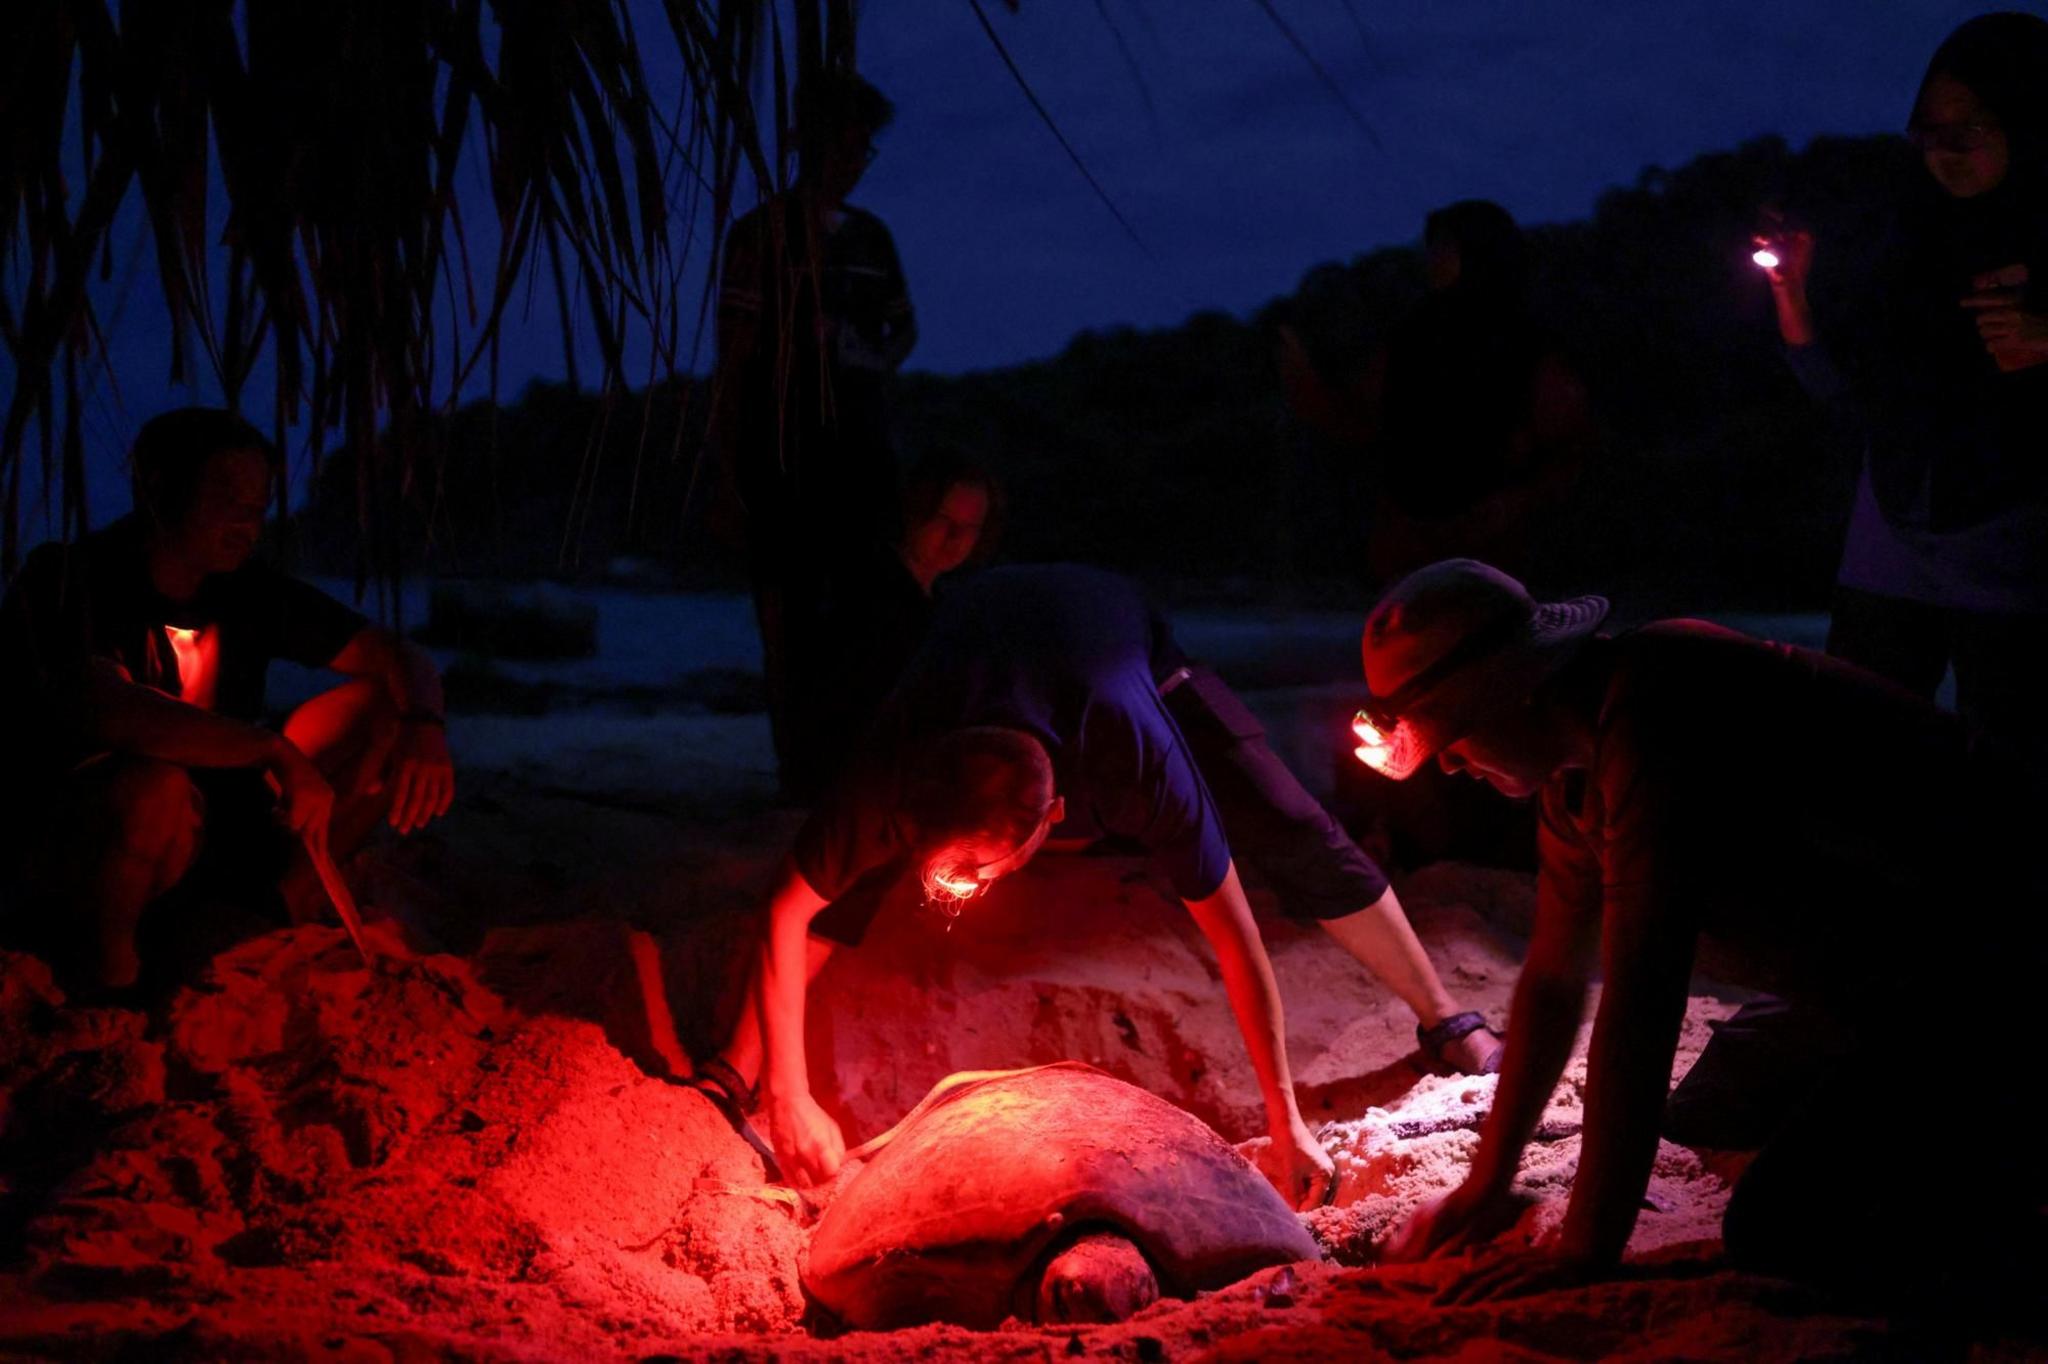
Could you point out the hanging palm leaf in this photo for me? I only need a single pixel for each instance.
(334, 134)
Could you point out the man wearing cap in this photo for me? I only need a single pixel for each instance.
(1798, 813)
(1055, 693)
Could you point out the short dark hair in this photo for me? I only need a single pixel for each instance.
(834, 99)
(170, 453)
(981, 781)
(937, 473)
(1492, 253)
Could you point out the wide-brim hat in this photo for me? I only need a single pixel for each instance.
(1449, 648)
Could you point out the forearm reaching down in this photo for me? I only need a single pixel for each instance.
(807, 1142)
(1298, 1164)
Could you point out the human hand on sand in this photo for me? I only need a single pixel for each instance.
(1519, 1274)
(808, 1144)
(1473, 1212)
(1297, 1165)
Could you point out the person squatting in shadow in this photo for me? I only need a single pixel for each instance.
(1053, 701)
(1807, 819)
(877, 608)
(134, 663)
(1946, 560)
(814, 316)
(1468, 425)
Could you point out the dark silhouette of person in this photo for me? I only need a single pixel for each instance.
(814, 316)
(1808, 820)
(1468, 422)
(133, 664)
(1946, 559)
(878, 607)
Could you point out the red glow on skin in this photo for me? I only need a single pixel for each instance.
(196, 652)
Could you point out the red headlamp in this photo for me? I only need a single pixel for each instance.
(1389, 747)
(949, 885)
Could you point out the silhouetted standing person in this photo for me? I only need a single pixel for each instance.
(1946, 562)
(814, 316)
(1468, 423)
(879, 605)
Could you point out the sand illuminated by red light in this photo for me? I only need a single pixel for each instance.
(312, 1160)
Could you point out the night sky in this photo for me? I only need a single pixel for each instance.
(1246, 170)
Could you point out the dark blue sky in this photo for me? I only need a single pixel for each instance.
(1252, 171)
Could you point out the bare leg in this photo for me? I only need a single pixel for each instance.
(135, 837)
(1384, 942)
(743, 1051)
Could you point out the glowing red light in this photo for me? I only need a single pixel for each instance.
(1765, 258)
(1395, 753)
(949, 886)
(195, 652)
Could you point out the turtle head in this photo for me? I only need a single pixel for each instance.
(1100, 1277)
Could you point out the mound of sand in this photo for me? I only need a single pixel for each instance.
(311, 1150)
(474, 1157)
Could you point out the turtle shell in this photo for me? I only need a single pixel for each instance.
(976, 1186)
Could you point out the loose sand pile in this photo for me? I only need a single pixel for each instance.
(475, 1158)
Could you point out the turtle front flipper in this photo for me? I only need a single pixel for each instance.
(1100, 1276)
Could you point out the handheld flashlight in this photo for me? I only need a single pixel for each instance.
(1766, 257)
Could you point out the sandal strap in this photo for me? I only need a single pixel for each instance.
(718, 1071)
(1435, 1039)
(729, 1109)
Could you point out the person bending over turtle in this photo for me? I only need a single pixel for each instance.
(1804, 818)
(133, 663)
(1055, 696)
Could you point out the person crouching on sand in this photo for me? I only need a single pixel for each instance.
(1051, 694)
(1807, 818)
(134, 662)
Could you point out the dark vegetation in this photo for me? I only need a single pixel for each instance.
(1170, 454)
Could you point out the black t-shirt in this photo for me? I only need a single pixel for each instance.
(873, 619)
(1069, 655)
(803, 394)
(93, 599)
(1789, 805)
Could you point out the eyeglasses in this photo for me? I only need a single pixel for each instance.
(1955, 138)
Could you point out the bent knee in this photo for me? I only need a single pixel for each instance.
(152, 808)
(345, 722)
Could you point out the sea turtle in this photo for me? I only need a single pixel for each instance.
(1058, 1192)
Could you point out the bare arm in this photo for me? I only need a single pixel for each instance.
(808, 1143)
(127, 717)
(406, 670)
(1225, 919)
(1646, 960)
(1543, 1022)
(418, 771)
(1788, 289)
